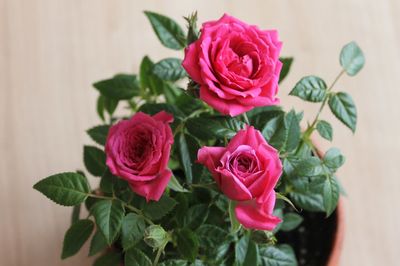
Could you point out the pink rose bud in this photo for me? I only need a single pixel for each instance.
(247, 171)
(138, 151)
(236, 65)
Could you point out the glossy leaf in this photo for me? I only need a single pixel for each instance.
(343, 107)
(98, 243)
(135, 257)
(308, 195)
(109, 215)
(145, 70)
(188, 147)
(206, 128)
(196, 216)
(331, 195)
(169, 69)
(286, 136)
(120, 87)
(352, 58)
(158, 209)
(279, 255)
(66, 189)
(95, 160)
(99, 134)
(325, 129)
(167, 30)
(176, 186)
(187, 244)
(291, 221)
(75, 237)
(211, 236)
(286, 64)
(133, 227)
(246, 252)
(310, 88)
(333, 159)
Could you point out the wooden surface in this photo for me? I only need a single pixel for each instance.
(52, 50)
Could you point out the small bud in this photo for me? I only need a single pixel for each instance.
(155, 236)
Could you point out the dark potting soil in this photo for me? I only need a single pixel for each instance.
(313, 240)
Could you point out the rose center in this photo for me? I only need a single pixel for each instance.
(140, 146)
(243, 164)
(241, 65)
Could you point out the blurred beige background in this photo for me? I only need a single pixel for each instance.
(52, 50)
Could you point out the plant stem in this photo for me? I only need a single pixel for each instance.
(310, 128)
(159, 252)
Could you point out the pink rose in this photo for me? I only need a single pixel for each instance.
(246, 171)
(138, 151)
(236, 65)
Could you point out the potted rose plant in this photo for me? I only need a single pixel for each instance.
(213, 174)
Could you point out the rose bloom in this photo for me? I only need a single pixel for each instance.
(236, 65)
(138, 151)
(246, 170)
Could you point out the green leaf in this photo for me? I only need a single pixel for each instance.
(311, 166)
(333, 159)
(66, 189)
(196, 216)
(135, 257)
(279, 255)
(99, 134)
(107, 182)
(211, 236)
(308, 194)
(331, 195)
(176, 186)
(158, 209)
(111, 258)
(75, 237)
(343, 107)
(235, 225)
(169, 69)
(310, 88)
(172, 93)
(188, 104)
(133, 227)
(286, 64)
(110, 105)
(95, 160)
(109, 215)
(154, 108)
(352, 58)
(145, 70)
(287, 136)
(206, 128)
(261, 117)
(325, 129)
(291, 221)
(285, 199)
(98, 243)
(75, 213)
(188, 147)
(167, 30)
(100, 107)
(246, 252)
(187, 244)
(120, 87)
